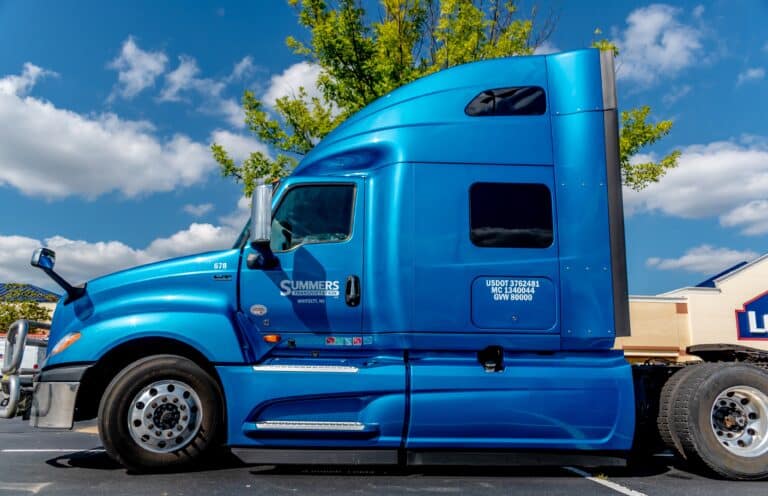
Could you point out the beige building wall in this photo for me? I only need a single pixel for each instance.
(660, 329)
(663, 326)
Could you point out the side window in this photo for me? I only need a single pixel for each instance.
(524, 100)
(510, 215)
(313, 214)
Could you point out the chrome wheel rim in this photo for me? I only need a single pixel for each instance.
(739, 421)
(165, 416)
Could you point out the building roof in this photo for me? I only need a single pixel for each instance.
(710, 283)
(26, 292)
(713, 283)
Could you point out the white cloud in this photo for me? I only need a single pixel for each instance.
(238, 146)
(656, 44)
(713, 179)
(185, 78)
(244, 68)
(546, 48)
(230, 109)
(300, 75)
(78, 260)
(751, 217)
(184, 81)
(137, 69)
(704, 259)
(52, 152)
(676, 93)
(198, 210)
(21, 84)
(698, 11)
(751, 74)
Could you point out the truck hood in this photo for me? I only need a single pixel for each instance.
(196, 282)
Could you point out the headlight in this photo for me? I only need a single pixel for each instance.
(65, 342)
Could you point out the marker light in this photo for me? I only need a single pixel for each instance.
(272, 338)
(65, 342)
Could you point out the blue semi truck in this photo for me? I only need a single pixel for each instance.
(439, 281)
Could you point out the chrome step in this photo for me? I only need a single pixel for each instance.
(302, 425)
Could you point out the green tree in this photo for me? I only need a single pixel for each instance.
(362, 59)
(16, 305)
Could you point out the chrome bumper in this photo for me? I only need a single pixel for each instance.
(16, 383)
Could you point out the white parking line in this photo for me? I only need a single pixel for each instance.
(605, 482)
(56, 450)
(17, 487)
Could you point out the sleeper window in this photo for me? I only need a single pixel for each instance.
(510, 215)
(525, 100)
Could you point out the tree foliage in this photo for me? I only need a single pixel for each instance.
(16, 305)
(362, 58)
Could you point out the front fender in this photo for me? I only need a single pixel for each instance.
(213, 335)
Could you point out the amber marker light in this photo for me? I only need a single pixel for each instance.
(65, 342)
(271, 338)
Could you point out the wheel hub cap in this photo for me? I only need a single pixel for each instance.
(165, 416)
(740, 420)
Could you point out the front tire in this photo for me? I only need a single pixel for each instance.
(161, 412)
(720, 420)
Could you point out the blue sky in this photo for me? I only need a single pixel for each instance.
(107, 111)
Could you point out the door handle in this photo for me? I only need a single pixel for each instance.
(352, 292)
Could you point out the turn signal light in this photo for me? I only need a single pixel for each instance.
(272, 338)
(65, 342)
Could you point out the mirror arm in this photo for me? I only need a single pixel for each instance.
(263, 258)
(73, 292)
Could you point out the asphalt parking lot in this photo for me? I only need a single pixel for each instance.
(72, 463)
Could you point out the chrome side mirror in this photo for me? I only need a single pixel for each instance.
(43, 258)
(261, 214)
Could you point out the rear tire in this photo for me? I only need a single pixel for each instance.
(664, 419)
(162, 412)
(720, 420)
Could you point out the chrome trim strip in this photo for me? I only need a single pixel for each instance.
(348, 369)
(303, 425)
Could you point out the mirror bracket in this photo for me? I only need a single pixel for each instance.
(262, 257)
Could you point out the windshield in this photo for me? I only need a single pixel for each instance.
(242, 238)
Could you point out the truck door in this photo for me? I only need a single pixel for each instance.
(317, 239)
(324, 384)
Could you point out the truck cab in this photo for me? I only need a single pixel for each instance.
(443, 274)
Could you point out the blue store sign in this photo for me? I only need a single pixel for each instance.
(752, 319)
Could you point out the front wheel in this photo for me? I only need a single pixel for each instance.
(161, 412)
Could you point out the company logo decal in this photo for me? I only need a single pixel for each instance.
(752, 319)
(293, 287)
